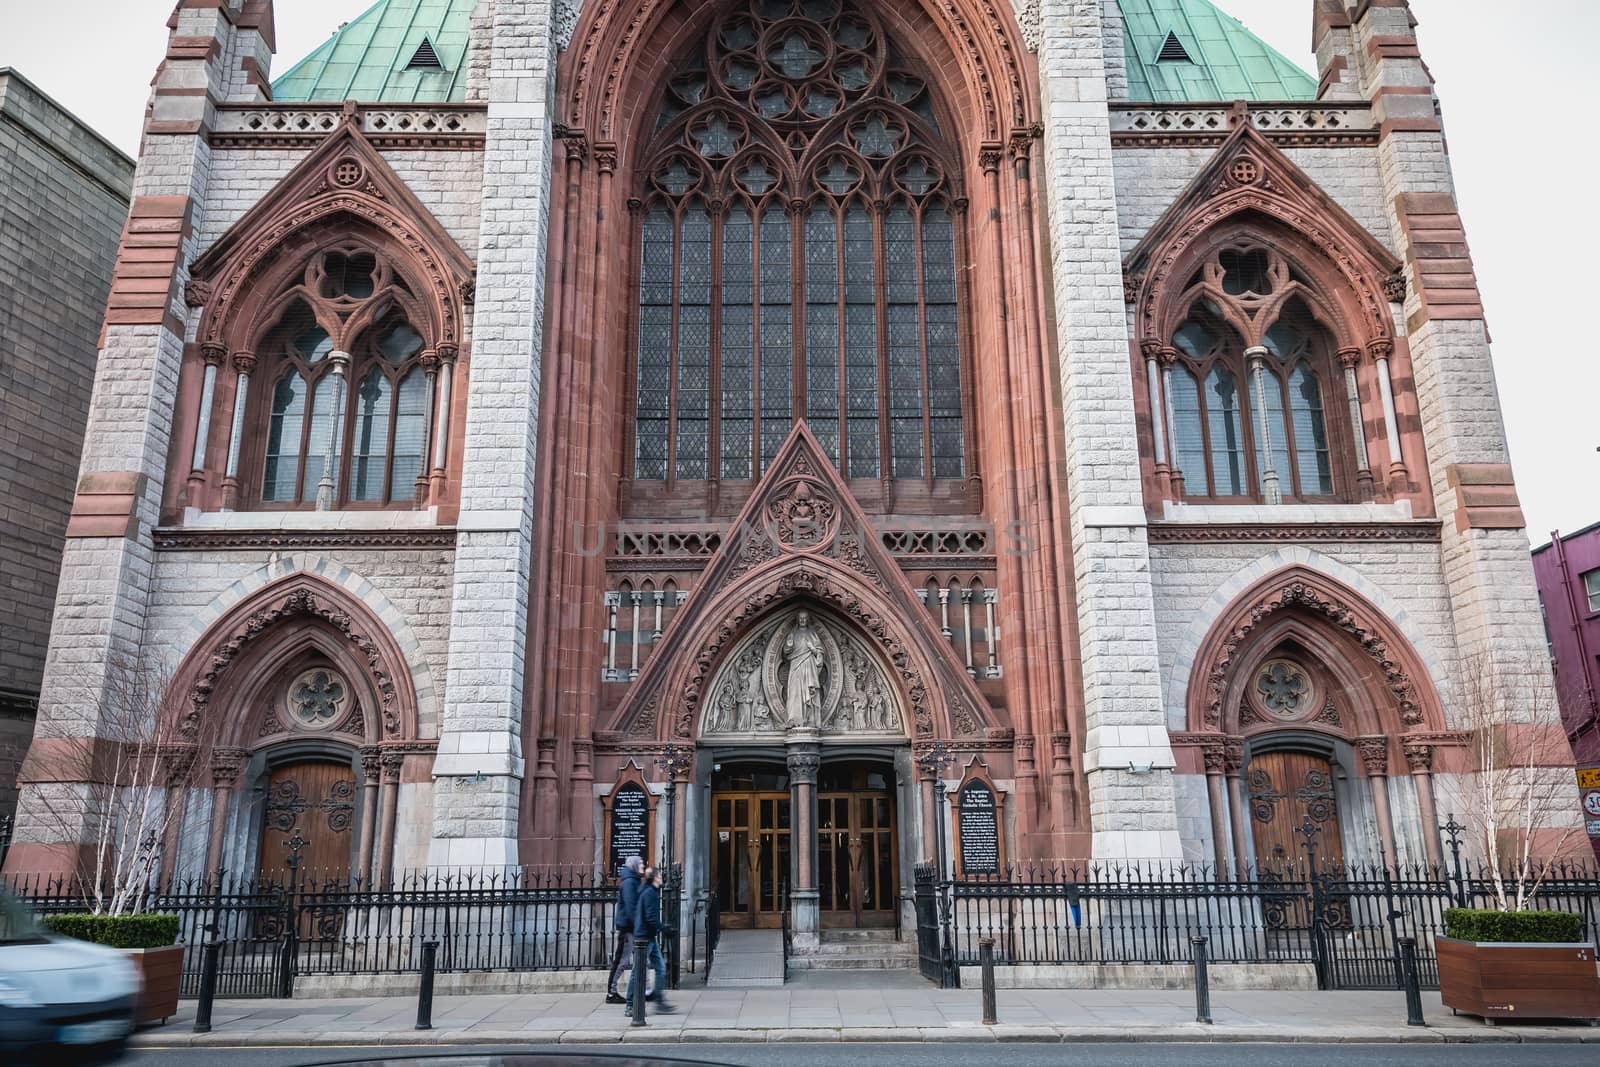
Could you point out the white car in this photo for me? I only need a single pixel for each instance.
(58, 995)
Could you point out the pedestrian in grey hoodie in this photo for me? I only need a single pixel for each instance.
(627, 910)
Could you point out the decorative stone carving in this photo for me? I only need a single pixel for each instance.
(226, 763)
(1284, 690)
(564, 22)
(1374, 755)
(803, 767)
(802, 671)
(1215, 754)
(1419, 756)
(1329, 715)
(1302, 591)
(1233, 755)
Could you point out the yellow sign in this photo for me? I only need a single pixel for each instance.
(1589, 777)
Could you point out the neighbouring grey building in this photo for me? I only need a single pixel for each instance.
(63, 197)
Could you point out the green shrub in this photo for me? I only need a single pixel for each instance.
(117, 931)
(1480, 924)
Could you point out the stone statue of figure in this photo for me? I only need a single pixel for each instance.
(803, 652)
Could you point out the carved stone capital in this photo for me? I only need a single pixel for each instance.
(1349, 357)
(214, 353)
(371, 763)
(1394, 287)
(392, 762)
(989, 156)
(1419, 756)
(1233, 756)
(1215, 754)
(197, 294)
(803, 766)
(244, 362)
(1374, 755)
(226, 763)
(1381, 348)
(605, 157)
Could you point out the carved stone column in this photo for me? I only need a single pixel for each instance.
(226, 763)
(1419, 758)
(177, 769)
(804, 761)
(370, 764)
(1233, 768)
(391, 763)
(1215, 754)
(1375, 763)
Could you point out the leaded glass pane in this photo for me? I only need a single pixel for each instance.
(1188, 432)
(654, 385)
(324, 403)
(944, 348)
(861, 342)
(738, 324)
(694, 346)
(905, 342)
(400, 343)
(283, 438)
(370, 439)
(410, 436)
(1271, 390)
(777, 352)
(1310, 433)
(822, 329)
(1227, 440)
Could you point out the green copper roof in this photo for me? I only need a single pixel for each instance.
(1227, 61)
(367, 58)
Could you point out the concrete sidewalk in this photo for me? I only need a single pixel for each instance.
(850, 1011)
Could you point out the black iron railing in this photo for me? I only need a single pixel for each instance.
(272, 932)
(1346, 921)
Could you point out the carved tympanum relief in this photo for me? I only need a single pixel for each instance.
(802, 671)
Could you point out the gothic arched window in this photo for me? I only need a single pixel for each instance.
(351, 426)
(1254, 421)
(797, 255)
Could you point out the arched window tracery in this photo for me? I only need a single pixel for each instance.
(797, 255)
(344, 418)
(1252, 380)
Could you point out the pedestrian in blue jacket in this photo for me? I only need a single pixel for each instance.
(627, 909)
(648, 924)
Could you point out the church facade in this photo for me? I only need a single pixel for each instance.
(788, 435)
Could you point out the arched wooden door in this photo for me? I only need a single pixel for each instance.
(1285, 789)
(857, 880)
(318, 799)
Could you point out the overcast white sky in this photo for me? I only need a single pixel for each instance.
(1518, 92)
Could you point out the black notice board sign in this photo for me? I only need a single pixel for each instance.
(630, 824)
(980, 830)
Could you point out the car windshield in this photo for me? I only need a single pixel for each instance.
(17, 925)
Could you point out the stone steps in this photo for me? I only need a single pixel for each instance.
(857, 950)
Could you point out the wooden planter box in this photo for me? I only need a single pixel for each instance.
(1519, 980)
(162, 971)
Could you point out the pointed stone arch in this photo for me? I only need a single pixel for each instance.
(801, 537)
(301, 612)
(1344, 626)
(1251, 182)
(343, 185)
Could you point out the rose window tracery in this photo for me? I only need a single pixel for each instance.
(1284, 690)
(797, 255)
(317, 698)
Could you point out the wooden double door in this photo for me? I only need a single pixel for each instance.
(750, 856)
(856, 843)
(1285, 790)
(312, 802)
(856, 864)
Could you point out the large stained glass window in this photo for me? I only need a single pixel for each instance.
(797, 256)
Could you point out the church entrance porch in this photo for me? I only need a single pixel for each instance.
(827, 848)
(857, 885)
(751, 821)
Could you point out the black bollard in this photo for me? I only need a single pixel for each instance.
(211, 953)
(425, 994)
(1202, 981)
(641, 952)
(986, 956)
(1408, 970)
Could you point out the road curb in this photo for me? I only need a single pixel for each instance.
(1183, 1034)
